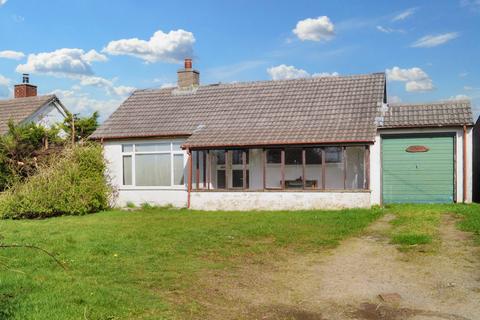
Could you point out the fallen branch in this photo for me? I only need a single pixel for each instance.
(28, 246)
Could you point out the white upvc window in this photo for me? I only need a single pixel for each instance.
(153, 165)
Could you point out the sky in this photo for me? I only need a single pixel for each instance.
(93, 54)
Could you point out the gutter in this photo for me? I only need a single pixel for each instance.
(274, 144)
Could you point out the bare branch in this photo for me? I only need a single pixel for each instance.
(28, 246)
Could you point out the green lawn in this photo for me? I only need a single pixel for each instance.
(141, 265)
(418, 224)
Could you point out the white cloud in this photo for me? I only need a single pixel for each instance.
(284, 72)
(82, 103)
(389, 30)
(62, 62)
(463, 74)
(106, 84)
(405, 14)
(74, 64)
(318, 29)
(459, 97)
(94, 56)
(2, 2)
(467, 88)
(415, 78)
(325, 74)
(10, 54)
(170, 47)
(4, 86)
(430, 41)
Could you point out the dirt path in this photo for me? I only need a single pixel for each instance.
(345, 282)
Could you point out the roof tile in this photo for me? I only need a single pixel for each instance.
(314, 110)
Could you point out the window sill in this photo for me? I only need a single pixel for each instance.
(128, 188)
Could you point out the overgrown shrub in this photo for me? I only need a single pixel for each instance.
(23, 148)
(72, 182)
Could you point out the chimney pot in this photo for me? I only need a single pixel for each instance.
(26, 78)
(188, 63)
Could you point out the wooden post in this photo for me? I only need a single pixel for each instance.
(197, 171)
(264, 160)
(204, 168)
(367, 168)
(190, 169)
(324, 168)
(282, 168)
(344, 156)
(227, 171)
(304, 159)
(244, 162)
(73, 129)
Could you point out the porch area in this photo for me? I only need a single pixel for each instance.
(280, 177)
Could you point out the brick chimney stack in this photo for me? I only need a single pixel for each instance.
(25, 89)
(187, 77)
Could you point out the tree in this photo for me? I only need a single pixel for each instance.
(83, 126)
(20, 149)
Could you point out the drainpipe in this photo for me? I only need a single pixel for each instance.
(189, 184)
(464, 163)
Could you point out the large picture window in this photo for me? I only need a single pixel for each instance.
(157, 164)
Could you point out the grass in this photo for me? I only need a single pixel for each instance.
(418, 224)
(143, 264)
(470, 219)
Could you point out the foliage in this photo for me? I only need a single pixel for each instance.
(84, 126)
(72, 182)
(21, 150)
(148, 264)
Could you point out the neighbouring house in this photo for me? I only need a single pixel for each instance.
(326, 142)
(27, 107)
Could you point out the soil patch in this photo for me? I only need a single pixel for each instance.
(344, 283)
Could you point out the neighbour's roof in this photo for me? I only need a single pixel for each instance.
(313, 110)
(19, 109)
(438, 114)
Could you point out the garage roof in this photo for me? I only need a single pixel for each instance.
(437, 114)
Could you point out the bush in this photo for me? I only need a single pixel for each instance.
(73, 183)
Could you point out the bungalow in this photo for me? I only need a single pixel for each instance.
(27, 107)
(327, 142)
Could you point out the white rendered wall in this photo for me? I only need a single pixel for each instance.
(375, 160)
(278, 200)
(48, 115)
(176, 196)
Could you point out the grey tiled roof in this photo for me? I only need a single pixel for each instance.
(314, 110)
(20, 109)
(438, 114)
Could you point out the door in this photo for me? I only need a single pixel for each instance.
(418, 169)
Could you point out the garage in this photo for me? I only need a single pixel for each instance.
(418, 168)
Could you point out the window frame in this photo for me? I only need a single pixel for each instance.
(172, 152)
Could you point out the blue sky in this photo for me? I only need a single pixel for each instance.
(94, 53)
